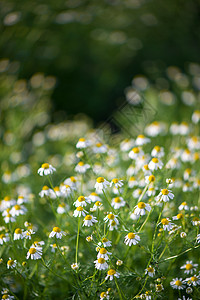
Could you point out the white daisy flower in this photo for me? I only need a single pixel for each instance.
(183, 206)
(155, 128)
(142, 140)
(57, 232)
(4, 238)
(100, 148)
(94, 197)
(195, 221)
(132, 182)
(150, 271)
(167, 225)
(189, 267)
(53, 248)
(7, 296)
(104, 295)
(9, 218)
(155, 164)
(186, 156)
(178, 217)
(118, 202)
(112, 225)
(81, 167)
(79, 211)
(111, 217)
(111, 274)
(131, 239)
(173, 163)
(117, 183)
(18, 210)
(106, 242)
(46, 169)
(103, 253)
(119, 262)
(150, 179)
(72, 182)
(146, 170)
(193, 280)
(62, 208)
(65, 190)
(28, 234)
(11, 264)
(18, 234)
(177, 283)
(34, 253)
(198, 238)
(157, 152)
(135, 153)
(89, 220)
(45, 191)
(126, 145)
(21, 200)
(7, 202)
(101, 264)
(74, 266)
(82, 201)
(96, 206)
(82, 143)
(151, 191)
(101, 184)
(141, 208)
(184, 128)
(194, 143)
(196, 116)
(165, 195)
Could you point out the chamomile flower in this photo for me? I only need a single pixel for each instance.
(94, 197)
(101, 264)
(135, 153)
(79, 211)
(104, 295)
(96, 206)
(186, 156)
(150, 179)
(46, 169)
(18, 210)
(164, 196)
(119, 262)
(82, 143)
(106, 242)
(132, 182)
(183, 206)
(45, 191)
(89, 220)
(193, 280)
(196, 116)
(150, 271)
(82, 201)
(72, 182)
(195, 221)
(57, 232)
(21, 199)
(116, 182)
(177, 283)
(146, 170)
(103, 253)
(178, 217)
(9, 218)
(118, 202)
(34, 253)
(11, 264)
(111, 217)
(141, 208)
(66, 190)
(151, 191)
(4, 238)
(74, 266)
(7, 202)
(112, 225)
(126, 145)
(157, 152)
(111, 274)
(198, 238)
(101, 184)
(131, 239)
(28, 234)
(142, 140)
(62, 208)
(155, 164)
(7, 296)
(167, 225)
(100, 148)
(18, 234)
(81, 167)
(189, 267)
(53, 247)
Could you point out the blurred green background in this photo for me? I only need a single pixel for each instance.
(94, 48)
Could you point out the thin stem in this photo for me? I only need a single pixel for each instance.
(77, 239)
(118, 289)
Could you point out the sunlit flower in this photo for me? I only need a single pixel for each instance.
(103, 253)
(101, 184)
(165, 195)
(53, 247)
(186, 155)
(117, 183)
(126, 145)
(89, 220)
(157, 152)
(101, 264)
(21, 200)
(18, 234)
(79, 211)
(74, 266)
(7, 202)
(183, 206)
(4, 238)
(9, 218)
(28, 234)
(34, 253)
(131, 239)
(141, 208)
(178, 217)
(150, 179)
(132, 182)
(118, 202)
(195, 221)
(81, 167)
(100, 148)
(155, 164)
(141, 140)
(135, 153)
(167, 225)
(11, 264)
(46, 169)
(57, 232)
(196, 116)
(113, 225)
(193, 280)
(150, 271)
(177, 283)
(111, 217)
(189, 267)
(82, 201)
(62, 208)
(66, 190)
(96, 206)
(72, 182)
(111, 274)
(17, 210)
(94, 197)
(82, 143)
(45, 191)
(119, 262)
(104, 295)
(106, 242)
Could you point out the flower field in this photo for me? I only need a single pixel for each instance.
(111, 212)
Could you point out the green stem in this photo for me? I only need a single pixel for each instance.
(118, 289)
(77, 239)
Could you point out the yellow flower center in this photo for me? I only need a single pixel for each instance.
(81, 140)
(98, 203)
(10, 262)
(7, 198)
(157, 148)
(131, 235)
(115, 180)
(45, 166)
(93, 194)
(101, 260)
(17, 207)
(113, 223)
(111, 272)
(2, 236)
(20, 197)
(146, 167)
(194, 278)
(100, 179)
(73, 179)
(56, 189)
(189, 266)
(18, 231)
(80, 208)
(98, 145)
(117, 200)
(88, 217)
(45, 188)
(165, 221)
(111, 217)
(183, 203)
(56, 229)
(165, 192)
(81, 198)
(103, 251)
(103, 295)
(81, 163)
(8, 215)
(5, 297)
(104, 240)
(155, 160)
(141, 136)
(179, 216)
(136, 150)
(32, 250)
(132, 178)
(141, 205)
(178, 283)
(152, 178)
(196, 219)
(150, 269)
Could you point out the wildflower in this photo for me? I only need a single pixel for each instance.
(104, 295)
(57, 232)
(45, 191)
(101, 264)
(189, 267)
(79, 212)
(119, 262)
(141, 140)
(126, 145)
(186, 156)
(151, 191)
(89, 220)
(9, 218)
(155, 128)
(177, 283)
(159, 287)
(53, 247)
(111, 217)
(97, 205)
(7, 202)
(101, 184)
(11, 264)
(103, 253)
(18, 234)
(184, 128)
(167, 225)
(4, 238)
(146, 170)
(135, 153)
(183, 234)
(65, 190)
(150, 179)
(193, 280)
(46, 169)
(82, 143)
(38, 244)
(165, 195)
(195, 221)
(100, 148)
(81, 167)
(74, 266)
(150, 271)
(183, 206)
(118, 202)
(178, 217)
(72, 182)
(106, 242)
(198, 238)
(89, 238)
(158, 152)
(62, 207)
(82, 201)
(28, 234)
(21, 200)
(155, 164)
(141, 208)
(17, 210)
(196, 116)
(94, 197)
(111, 274)
(113, 225)
(189, 290)
(34, 253)
(173, 163)
(132, 182)
(7, 296)
(131, 239)
(117, 183)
